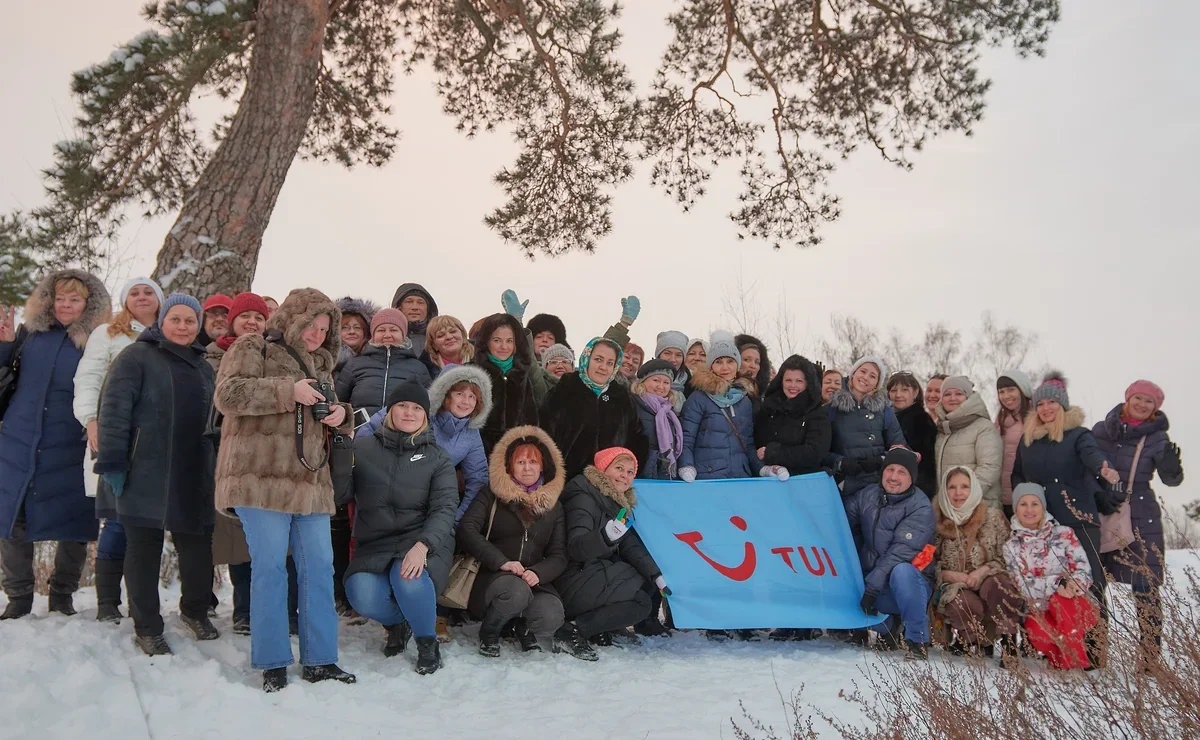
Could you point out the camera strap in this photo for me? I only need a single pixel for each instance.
(300, 409)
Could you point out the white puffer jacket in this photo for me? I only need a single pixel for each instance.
(99, 354)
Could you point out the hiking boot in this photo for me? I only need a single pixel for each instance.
(397, 639)
(241, 626)
(747, 635)
(201, 628)
(17, 608)
(316, 673)
(152, 645)
(274, 680)
(526, 639)
(63, 604)
(604, 639)
(429, 655)
(568, 640)
(651, 627)
(108, 614)
(343, 608)
(625, 639)
(916, 650)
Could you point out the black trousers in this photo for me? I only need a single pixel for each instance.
(143, 561)
(339, 535)
(16, 562)
(614, 615)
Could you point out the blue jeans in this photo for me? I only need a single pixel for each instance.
(907, 596)
(269, 534)
(111, 545)
(389, 599)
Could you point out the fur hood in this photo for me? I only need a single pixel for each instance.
(812, 376)
(709, 382)
(470, 373)
(297, 312)
(597, 478)
(1035, 429)
(506, 489)
(522, 350)
(360, 307)
(763, 378)
(845, 402)
(39, 309)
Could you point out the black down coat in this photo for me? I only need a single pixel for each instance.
(405, 491)
(153, 412)
(599, 572)
(528, 527)
(796, 432)
(367, 379)
(920, 432)
(582, 423)
(514, 397)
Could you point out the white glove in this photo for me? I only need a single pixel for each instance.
(774, 471)
(661, 583)
(615, 530)
(687, 475)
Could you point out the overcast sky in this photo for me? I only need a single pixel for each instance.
(1071, 211)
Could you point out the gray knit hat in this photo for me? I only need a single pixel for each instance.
(1054, 387)
(1029, 489)
(671, 340)
(878, 363)
(722, 345)
(1019, 379)
(179, 299)
(556, 351)
(959, 382)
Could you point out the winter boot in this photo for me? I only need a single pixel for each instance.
(625, 639)
(489, 634)
(886, 642)
(241, 626)
(604, 639)
(315, 673)
(718, 635)
(859, 637)
(17, 608)
(429, 655)
(108, 590)
(526, 639)
(747, 635)
(152, 645)
(1009, 657)
(916, 650)
(63, 604)
(202, 629)
(274, 679)
(568, 640)
(651, 627)
(397, 639)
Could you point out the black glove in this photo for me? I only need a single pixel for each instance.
(871, 464)
(868, 602)
(1171, 464)
(1109, 500)
(848, 466)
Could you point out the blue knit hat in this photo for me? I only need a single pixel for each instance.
(179, 299)
(723, 345)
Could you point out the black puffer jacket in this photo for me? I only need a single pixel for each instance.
(762, 379)
(599, 572)
(153, 412)
(405, 491)
(920, 432)
(528, 527)
(582, 423)
(796, 432)
(367, 379)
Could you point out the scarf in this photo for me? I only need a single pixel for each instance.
(529, 489)
(959, 515)
(504, 365)
(226, 341)
(585, 359)
(1133, 422)
(667, 427)
(730, 397)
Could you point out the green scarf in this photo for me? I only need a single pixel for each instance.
(504, 365)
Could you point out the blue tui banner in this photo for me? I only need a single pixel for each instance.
(754, 552)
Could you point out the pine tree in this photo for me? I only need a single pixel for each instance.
(314, 77)
(17, 268)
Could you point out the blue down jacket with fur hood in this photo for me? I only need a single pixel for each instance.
(710, 444)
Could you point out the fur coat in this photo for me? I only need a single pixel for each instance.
(257, 465)
(986, 530)
(582, 423)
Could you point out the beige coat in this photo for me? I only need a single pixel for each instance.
(967, 436)
(257, 466)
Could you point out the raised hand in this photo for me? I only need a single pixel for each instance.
(8, 318)
(630, 308)
(1109, 475)
(513, 305)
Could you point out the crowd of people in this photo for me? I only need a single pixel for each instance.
(393, 464)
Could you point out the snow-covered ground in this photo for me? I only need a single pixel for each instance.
(74, 678)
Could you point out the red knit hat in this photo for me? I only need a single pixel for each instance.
(244, 302)
(1146, 388)
(389, 316)
(605, 457)
(220, 300)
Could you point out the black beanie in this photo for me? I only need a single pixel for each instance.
(409, 390)
(903, 456)
(551, 323)
(656, 367)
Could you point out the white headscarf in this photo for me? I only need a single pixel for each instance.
(960, 515)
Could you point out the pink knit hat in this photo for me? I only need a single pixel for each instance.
(1146, 388)
(605, 457)
(389, 316)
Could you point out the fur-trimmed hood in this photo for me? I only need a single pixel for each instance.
(812, 376)
(471, 374)
(301, 307)
(360, 307)
(39, 309)
(763, 378)
(506, 489)
(489, 327)
(845, 402)
(597, 478)
(1036, 429)
(709, 382)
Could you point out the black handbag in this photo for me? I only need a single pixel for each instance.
(10, 370)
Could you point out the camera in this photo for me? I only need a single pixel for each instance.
(320, 409)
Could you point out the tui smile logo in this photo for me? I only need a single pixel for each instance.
(745, 570)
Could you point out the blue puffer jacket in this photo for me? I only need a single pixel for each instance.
(889, 529)
(709, 442)
(863, 432)
(42, 445)
(367, 379)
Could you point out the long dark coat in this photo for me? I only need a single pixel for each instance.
(582, 423)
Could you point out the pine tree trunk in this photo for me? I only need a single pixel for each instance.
(213, 246)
